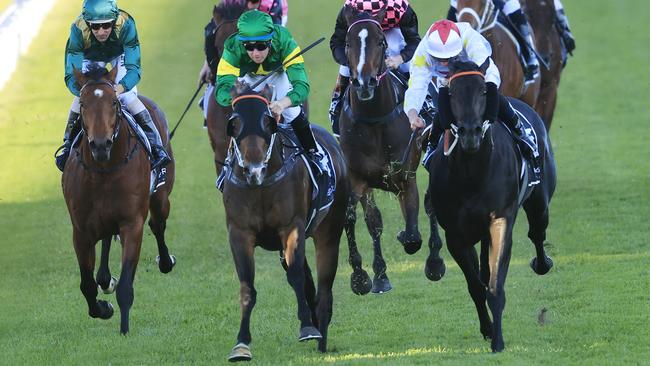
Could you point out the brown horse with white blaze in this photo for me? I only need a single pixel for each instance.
(106, 186)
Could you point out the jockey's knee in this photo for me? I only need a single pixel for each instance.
(291, 113)
(131, 101)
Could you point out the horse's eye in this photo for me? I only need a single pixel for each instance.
(115, 103)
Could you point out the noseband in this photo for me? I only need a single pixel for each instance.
(454, 128)
(233, 140)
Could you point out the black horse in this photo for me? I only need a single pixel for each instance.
(475, 191)
(374, 138)
(267, 192)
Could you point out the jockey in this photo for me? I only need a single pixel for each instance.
(279, 12)
(258, 47)
(400, 27)
(101, 35)
(512, 9)
(444, 42)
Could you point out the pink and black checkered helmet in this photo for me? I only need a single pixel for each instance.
(394, 12)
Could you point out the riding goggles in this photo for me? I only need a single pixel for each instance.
(97, 26)
(260, 46)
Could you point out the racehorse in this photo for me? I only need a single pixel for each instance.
(475, 191)
(542, 93)
(374, 135)
(106, 185)
(266, 201)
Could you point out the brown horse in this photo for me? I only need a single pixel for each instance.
(266, 195)
(106, 188)
(542, 94)
(374, 136)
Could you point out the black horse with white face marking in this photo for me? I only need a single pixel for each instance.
(475, 192)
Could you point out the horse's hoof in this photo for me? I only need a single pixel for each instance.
(166, 266)
(381, 285)
(241, 352)
(543, 269)
(435, 268)
(412, 243)
(309, 333)
(105, 310)
(360, 282)
(111, 286)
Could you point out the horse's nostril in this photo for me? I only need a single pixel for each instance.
(372, 82)
(109, 143)
(263, 171)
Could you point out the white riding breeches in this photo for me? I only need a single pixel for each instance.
(396, 43)
(281, 86)
(129, 99)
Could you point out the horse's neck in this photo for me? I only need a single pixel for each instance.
(119, 150)
(383, 103)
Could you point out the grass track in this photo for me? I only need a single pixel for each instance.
(597, 296)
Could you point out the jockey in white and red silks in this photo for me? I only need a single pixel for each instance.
(400, 26)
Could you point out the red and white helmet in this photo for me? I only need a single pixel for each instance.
(443, 39)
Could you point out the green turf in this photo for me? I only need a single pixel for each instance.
(597, 295)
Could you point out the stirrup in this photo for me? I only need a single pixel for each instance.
(161, 178)
(62, 158)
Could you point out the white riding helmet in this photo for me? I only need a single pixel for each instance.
(444, 40)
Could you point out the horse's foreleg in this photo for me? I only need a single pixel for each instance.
(104, 278)
(360, 281)
(310, 292)
(410, 205)
(536, 209)
(434, 268)
(293, 240)
(159, 208)
(372, 216)
(131, 236)
(501, 244)
(242, 245)
(85, 251)
(465, 257)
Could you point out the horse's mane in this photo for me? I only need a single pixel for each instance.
(96, 73)
(230, 9)
(457, 66)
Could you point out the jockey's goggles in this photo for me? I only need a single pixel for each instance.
(97, 26)
(260, 46)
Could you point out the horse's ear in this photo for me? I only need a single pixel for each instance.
(350, 14)
(79, 77)
(216, 17)
(267, 92)
(382, 14)
(483, 68)
(112, 75)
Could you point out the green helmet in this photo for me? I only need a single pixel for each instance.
(99, 11)
(255, 25)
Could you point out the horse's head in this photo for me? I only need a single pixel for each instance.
(474, 12)
(100, 110)
(252, 128)
(225, 16)
(467, 93)
(365, 46)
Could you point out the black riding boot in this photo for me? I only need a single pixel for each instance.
(305, 136)
(518, 19)
(451, 14)
(159, 157)
(71, 130)
(563, 25)
(342, 83)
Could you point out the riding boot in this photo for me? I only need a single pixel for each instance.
(159, 157)
(431, 142)
(567, 36)
(342, 83)
(71, 130)
(525, 39)
(451, 14)
(307, 141)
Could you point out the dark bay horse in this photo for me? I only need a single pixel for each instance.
(106, 185)
(475, 192)
(266, 205)
(541, 94)
(374, 133)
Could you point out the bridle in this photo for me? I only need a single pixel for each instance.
(118, 107)
(233, 140)
(454, 127)
(486, 20)
(384, 45)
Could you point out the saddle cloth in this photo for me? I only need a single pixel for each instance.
(323, 183)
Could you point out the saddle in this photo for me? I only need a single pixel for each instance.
(323, 182)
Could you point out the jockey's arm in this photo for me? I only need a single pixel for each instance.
(337, 41)
(479, 51)
(227, 74)
(209, 48)
(296, 73)
(74, 56)
(129, 38)
(409, 26)
(421, 74)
